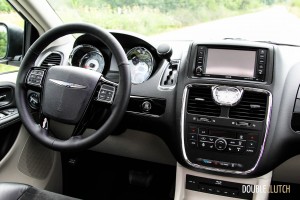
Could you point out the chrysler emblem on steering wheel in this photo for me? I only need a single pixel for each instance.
(68, 85)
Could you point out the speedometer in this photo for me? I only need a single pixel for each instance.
(141, 64)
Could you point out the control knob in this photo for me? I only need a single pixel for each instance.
(198, 70)
(220, 144)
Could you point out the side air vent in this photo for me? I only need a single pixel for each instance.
(253, 106)
(200, 102)
(51, 60)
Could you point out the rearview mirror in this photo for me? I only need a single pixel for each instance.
(3, 41)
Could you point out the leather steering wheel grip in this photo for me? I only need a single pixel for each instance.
(118, 107)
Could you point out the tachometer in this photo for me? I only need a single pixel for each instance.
(92, 60)
(87, 56)
(141, 64)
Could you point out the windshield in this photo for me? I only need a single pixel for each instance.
(255, 20)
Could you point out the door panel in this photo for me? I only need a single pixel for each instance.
(9, 117)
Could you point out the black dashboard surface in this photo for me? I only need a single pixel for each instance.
(282, 82)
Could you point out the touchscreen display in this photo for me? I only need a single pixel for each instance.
(230, 62)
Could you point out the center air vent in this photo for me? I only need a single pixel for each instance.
(51, 60)
(200, 102)
(253, 106)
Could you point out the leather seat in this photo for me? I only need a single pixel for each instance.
(17, 191)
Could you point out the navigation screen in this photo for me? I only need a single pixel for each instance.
(231, 62)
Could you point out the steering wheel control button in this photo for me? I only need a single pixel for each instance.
(35, 77)
(146, 106)
(106, 94)
(220, 144)
(34, 100)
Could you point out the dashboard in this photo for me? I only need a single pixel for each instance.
(224, 107)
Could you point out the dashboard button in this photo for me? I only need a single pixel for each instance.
(202, 188)
(202, 145)
(191, 183)
(251, 144)
(199, 70)
(252, 137)
(210, 189)
(218, 191)
(200, 53)
(261, 67)
(233, 193)
(192, 129)
(203, 131)
(206, 145)
(207, 162)
(224, 164)
(250, 150)
(202, 138)
(210, 146)
(146, 106)
(211, 139)
(238, 149)
(232, 142)
(232, 165)
(192, 136)
(236, 142)
(226, 192)
(261, 72)
(230, 149)
(262, 52)
(192, 143)
(241, 136)
(241, 142)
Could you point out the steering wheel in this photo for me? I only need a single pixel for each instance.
(68, 92)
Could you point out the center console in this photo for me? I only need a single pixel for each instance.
(224, 126)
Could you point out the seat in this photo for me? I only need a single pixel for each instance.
(18, 191)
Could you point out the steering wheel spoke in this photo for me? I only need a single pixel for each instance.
(107, 91)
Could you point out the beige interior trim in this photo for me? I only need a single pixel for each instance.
(9, 171)
(182, 193)
(137, 145)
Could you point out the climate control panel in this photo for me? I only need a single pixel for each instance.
(221, 141)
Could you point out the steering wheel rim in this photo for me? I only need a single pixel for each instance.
(118, 108)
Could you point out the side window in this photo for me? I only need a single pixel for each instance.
(11, 38)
